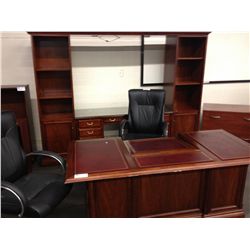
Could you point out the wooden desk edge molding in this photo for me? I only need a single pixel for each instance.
(200, 179)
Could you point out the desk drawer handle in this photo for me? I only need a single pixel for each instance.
(247, 119)
(215, 116)
(112, 119)
(90, 123)
(90, 132)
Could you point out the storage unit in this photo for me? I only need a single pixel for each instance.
(184, 71)
(17, 99)
(52, 65)
(232, 118)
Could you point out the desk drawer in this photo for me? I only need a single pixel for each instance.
(91, 133)
(90, 123)
(116, 119)
(235, 123)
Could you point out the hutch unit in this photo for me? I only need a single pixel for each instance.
(184, 70)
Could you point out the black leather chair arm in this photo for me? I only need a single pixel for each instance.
(50, 154)
(123, 127)
(164, 127)
(17, 193)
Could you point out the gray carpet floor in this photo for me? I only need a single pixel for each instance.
(74, 205)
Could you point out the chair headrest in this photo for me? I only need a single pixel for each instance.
(147, 97)
(8, 120)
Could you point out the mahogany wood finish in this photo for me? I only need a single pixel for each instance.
(52, 65)
(160, 195)
(55, 131)
(184, 72)
(94, 127)
(13, 99)
(110, 198)
(195, 178)
(184, 122)
(233, 118)
(221, 200)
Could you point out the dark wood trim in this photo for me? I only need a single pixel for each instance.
(142, 84)
(227, 81)
(142, 60)
(63, 33)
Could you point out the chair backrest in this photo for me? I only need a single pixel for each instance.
(145, 110)
(12, 155)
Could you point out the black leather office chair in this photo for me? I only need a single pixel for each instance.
(26, 194)
(145, 115)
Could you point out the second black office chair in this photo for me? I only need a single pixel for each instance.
(145, 115)
(33, 194)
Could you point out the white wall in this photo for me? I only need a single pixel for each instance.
(228, 56)
(233, 93)
(102, 76)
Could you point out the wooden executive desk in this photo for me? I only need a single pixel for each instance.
(198, 174)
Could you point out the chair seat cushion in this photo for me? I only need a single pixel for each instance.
(43, 191)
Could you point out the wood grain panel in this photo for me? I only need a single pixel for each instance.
(110, 198)
(57, 136)
(157, 194)
(225, 189)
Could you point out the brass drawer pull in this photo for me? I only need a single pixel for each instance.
(112, 119)
(90, 123)
(215, 116)
(247, 119)
(90, 132)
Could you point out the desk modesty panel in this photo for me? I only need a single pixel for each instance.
(188, 176)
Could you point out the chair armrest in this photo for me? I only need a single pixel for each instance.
(50, 154)
(123, 128)
(164, 127)
(11, 188)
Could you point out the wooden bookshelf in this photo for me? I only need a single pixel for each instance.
(184, 72)
(52, 64)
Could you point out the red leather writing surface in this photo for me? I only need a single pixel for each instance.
(222, 144)
(159, 144)
(170, 159)
(98, 156)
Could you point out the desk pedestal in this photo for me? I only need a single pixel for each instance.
(202, 193)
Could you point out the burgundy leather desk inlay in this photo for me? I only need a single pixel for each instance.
(222, 144)
(170, 159)
(159, 144)
(98, 156)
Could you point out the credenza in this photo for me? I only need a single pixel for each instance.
(232, 118)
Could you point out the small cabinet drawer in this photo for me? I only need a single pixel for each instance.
(235, 123)
(91, 133)
(90, 123)
(112, 119)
